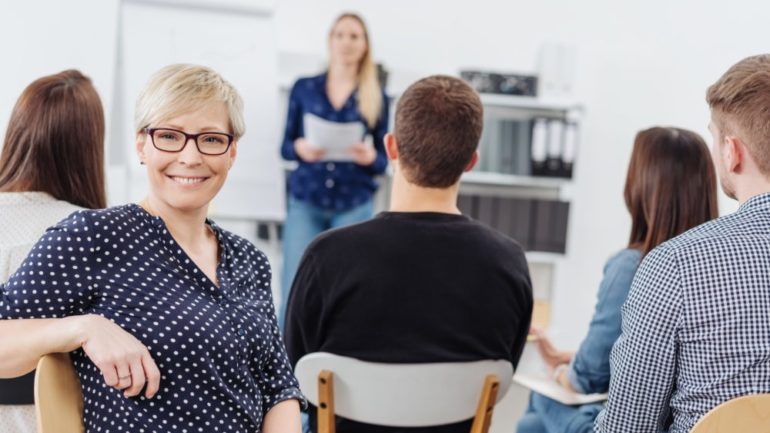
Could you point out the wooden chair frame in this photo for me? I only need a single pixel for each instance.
(58, 397)
(750, 413)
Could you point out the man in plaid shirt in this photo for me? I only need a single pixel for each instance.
(696, 324)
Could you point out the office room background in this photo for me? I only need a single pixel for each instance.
(631, 65)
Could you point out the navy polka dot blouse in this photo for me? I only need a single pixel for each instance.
(331, 185)
(222, 361)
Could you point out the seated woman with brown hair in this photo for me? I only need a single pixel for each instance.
(51, 165)
(670, 188)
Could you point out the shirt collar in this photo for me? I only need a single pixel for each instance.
(758, 201)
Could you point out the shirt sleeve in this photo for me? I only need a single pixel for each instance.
(590, 368)
(56, 279)
(303, 315)
(294, 127)
(274, 374)
(643, 360)
(378, 135)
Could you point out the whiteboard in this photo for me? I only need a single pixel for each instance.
(240, 45)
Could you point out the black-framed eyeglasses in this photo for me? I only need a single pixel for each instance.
(172, 140)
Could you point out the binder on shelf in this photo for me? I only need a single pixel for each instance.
(507, 144)
(522, 153)
(513, 219)
(465, 205)
(489, 145)
(539, 146)
(486, 210)
(550, 226)
(569, 149)
(553, 147)
(560, 210)
(553, 161)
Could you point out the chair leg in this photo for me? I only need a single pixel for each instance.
(486, 405)
(326, 402)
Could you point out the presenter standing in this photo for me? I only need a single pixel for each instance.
(326, 192)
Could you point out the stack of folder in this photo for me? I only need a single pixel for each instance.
(528, 147)
(537, 225)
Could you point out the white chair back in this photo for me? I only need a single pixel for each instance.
(402, 395)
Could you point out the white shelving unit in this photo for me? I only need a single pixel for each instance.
(486, 181)
(529, 103)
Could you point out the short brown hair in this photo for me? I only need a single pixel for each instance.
(55, 141)
(438, 126)
(740, 102)
(671, 186)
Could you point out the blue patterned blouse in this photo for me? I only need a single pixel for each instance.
(222, 362)
(330, 185)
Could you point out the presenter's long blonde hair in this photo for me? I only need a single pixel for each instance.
(369, 89)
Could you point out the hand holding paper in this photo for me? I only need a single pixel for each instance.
(334, 138)
(363, 153)
(306, 151)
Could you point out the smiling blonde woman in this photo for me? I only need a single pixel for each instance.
(169, 318)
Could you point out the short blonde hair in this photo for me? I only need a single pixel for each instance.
(181, 88)
(739, 103)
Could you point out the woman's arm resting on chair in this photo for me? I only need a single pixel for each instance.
(24, 341)
(113, 350)
(283, 418)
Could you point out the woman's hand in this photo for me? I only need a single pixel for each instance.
(550, 354)
(306, 151)
(363, 153)
(124, 361)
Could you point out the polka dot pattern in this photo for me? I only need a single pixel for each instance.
(222, 361)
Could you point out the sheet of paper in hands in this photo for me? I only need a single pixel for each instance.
(542, 384)
(333, 137)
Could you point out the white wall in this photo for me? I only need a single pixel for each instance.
(42, 37)
(639, 64)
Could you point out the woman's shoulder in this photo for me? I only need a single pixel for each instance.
(627, 259)
(309, 83)
(101, 219)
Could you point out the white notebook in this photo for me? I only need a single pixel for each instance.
(542, 384)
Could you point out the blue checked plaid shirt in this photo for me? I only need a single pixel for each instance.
(696, 326)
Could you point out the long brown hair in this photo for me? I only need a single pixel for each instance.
(55, 141)
(369, 90)
(671, 186)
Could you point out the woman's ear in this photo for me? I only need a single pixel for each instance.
(141, 139)
(232, 153)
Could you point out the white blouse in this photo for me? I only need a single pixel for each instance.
(24, 217)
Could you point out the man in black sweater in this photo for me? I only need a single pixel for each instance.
(421, 282)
